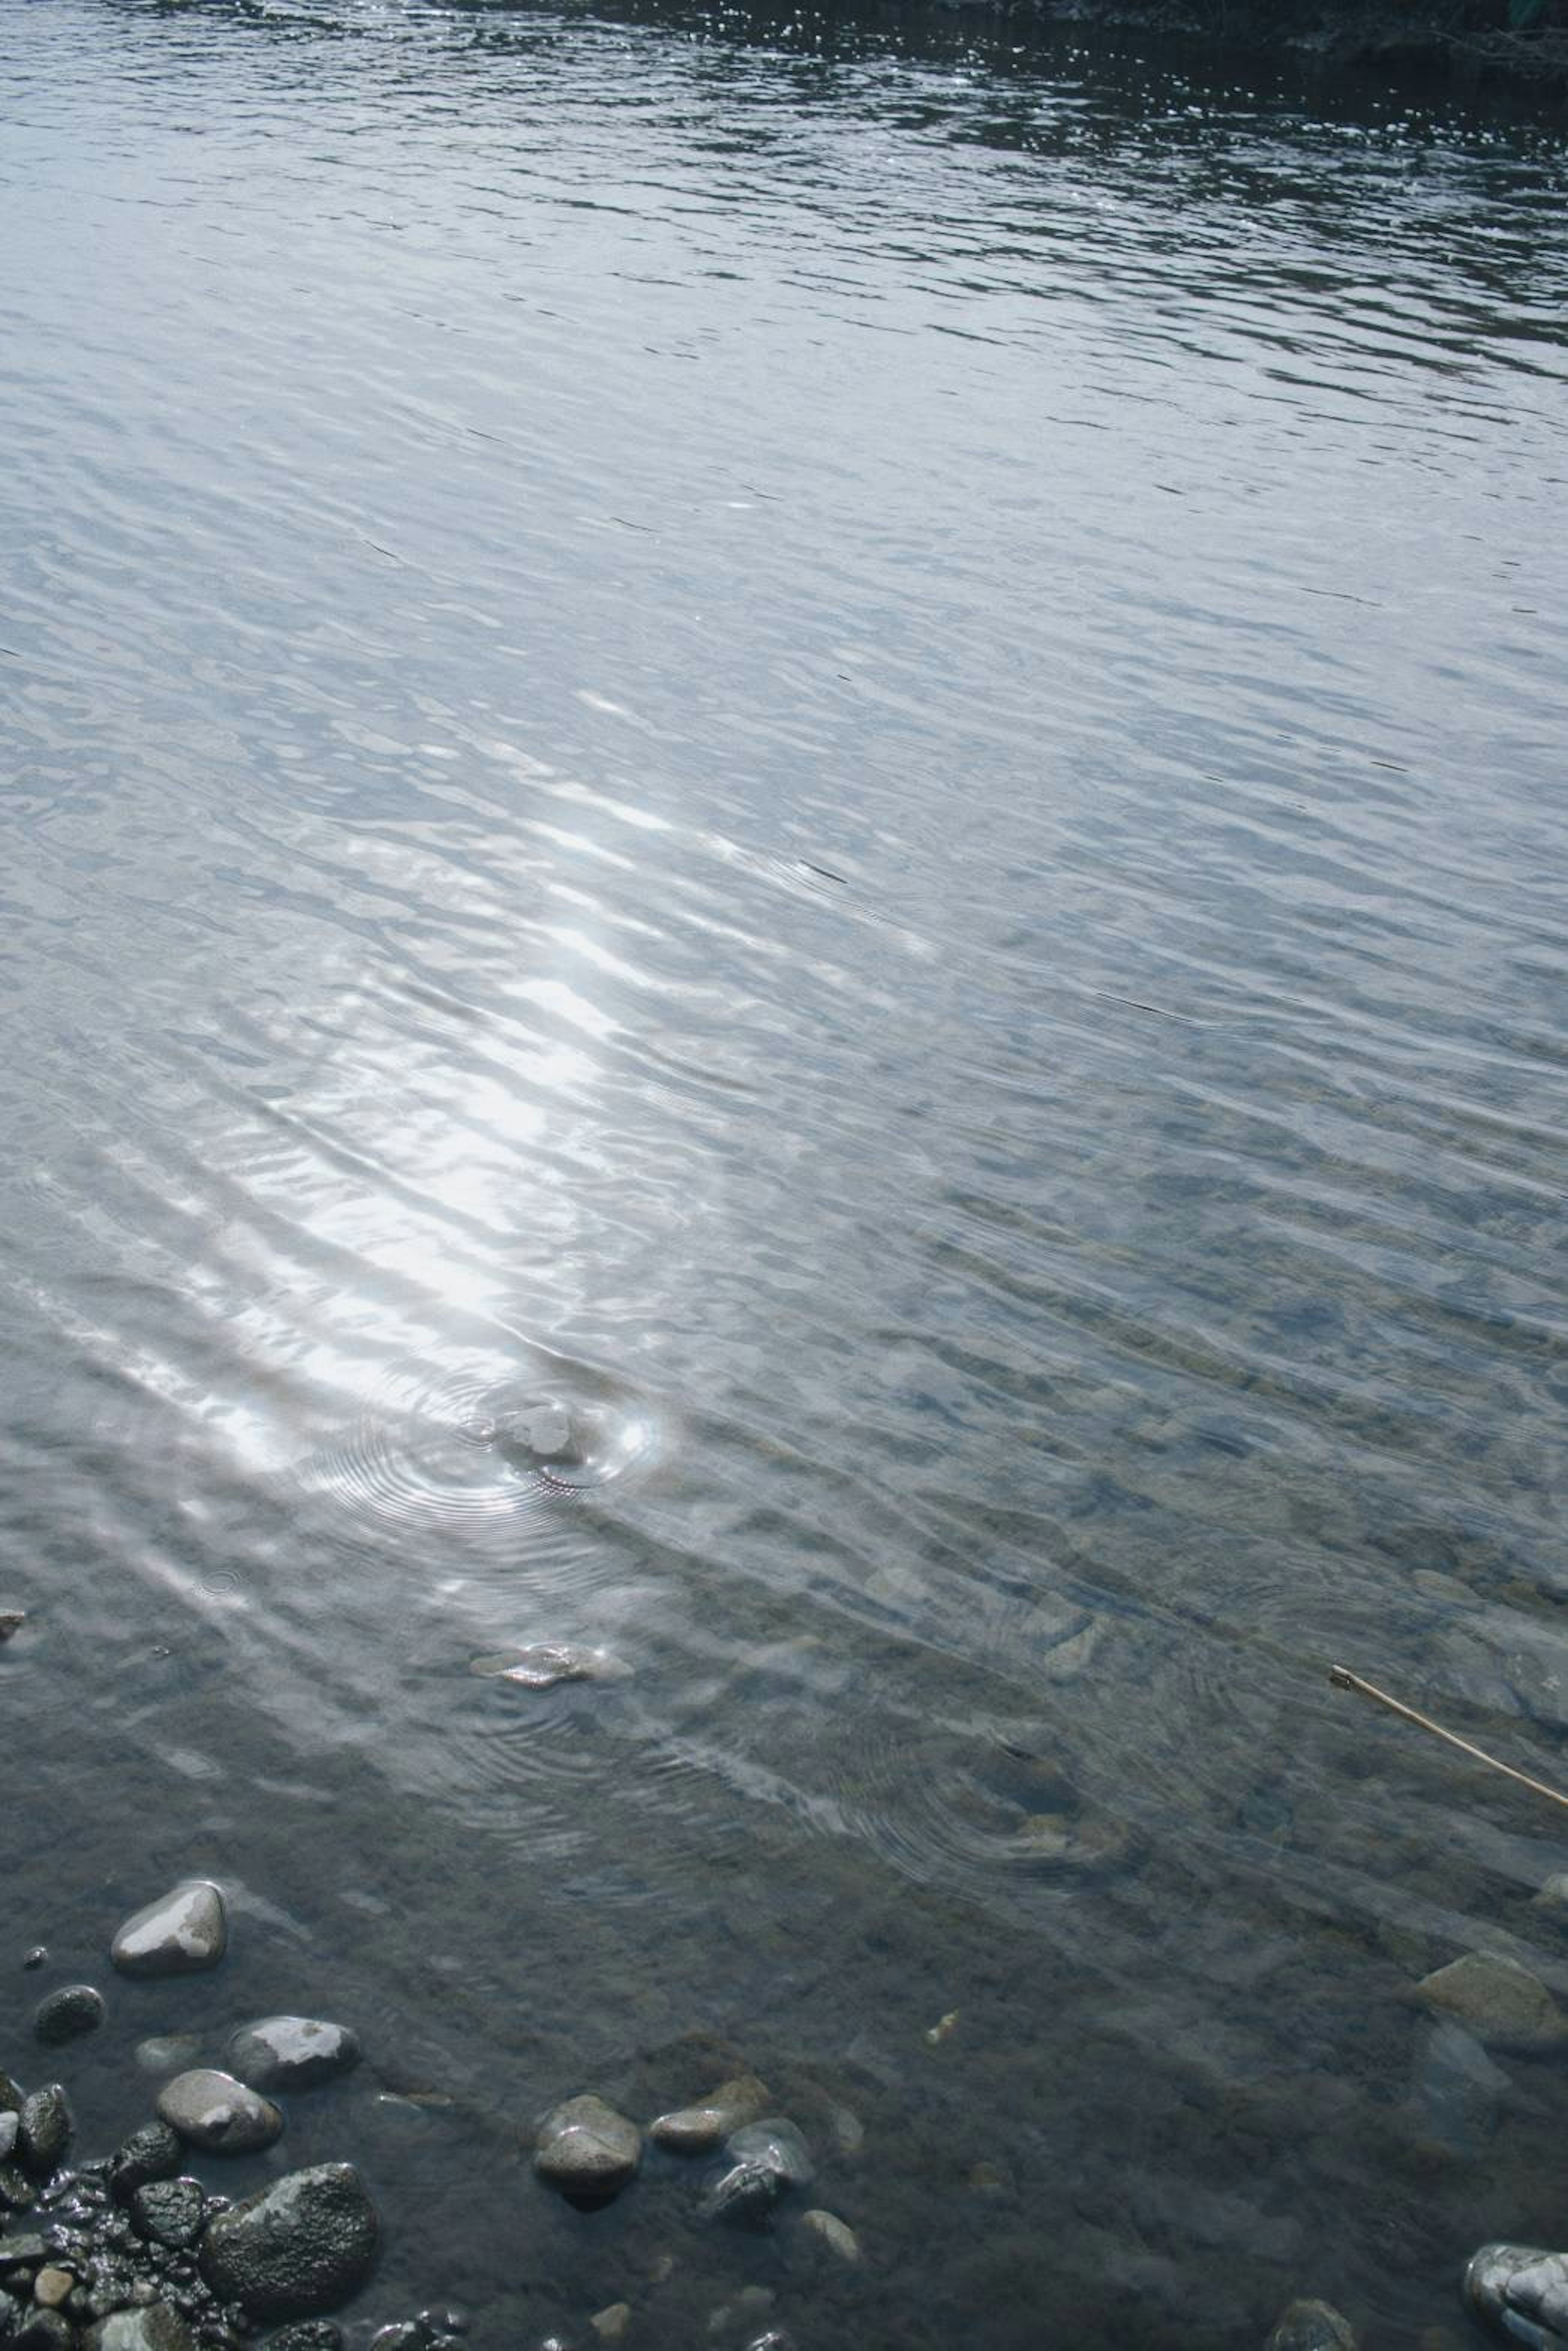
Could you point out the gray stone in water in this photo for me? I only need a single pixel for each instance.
(215, 2112)
(1522, 2292)
(1554, 1898)
(10, 2124)
(17, 2190)
(65, 2015)
(181, 1932)
(44, 2330)
(1497, 2000)
(547, 1663)
(153, 2327)
(698, 2129)
(291, 2052)
(587, 2151)
(764, 2160)
(11, 1621)
(300, 2247)
(307, 2334)
(168, 2052)
(44, 2130)
(1312, 2326)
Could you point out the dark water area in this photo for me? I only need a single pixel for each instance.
(841, 768)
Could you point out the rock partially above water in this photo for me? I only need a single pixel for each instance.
(1312, 2326)
(587, 2151)
(1500, 2001)
(698, 2129)
(154, 2327)
(153, 2152)
(291, 2052)
(44, 2132)
(765, 2160)
(170, 2212)
(65, 2015)
(300, 2247)
(179, 1934)
(1521, 2291)
(11, 1621)
(215, 2112)
(546, 1663)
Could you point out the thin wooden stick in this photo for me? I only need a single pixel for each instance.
(1342, 1678)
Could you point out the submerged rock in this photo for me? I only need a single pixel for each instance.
(1312, 2326)
(10, 2124)
(1497, 2000)
(300, 2247)
(65, 2015)
(587, 2151)
(1522, 2292)
(11, 1621)
(291, 2052)
(215, 2112)
(698, 2129)
(835, 2234)
(153, 2327)
(181, 1932)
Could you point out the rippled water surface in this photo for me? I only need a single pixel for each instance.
(783, 894)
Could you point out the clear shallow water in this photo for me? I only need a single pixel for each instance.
(847, 762)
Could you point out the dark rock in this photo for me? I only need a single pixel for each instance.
(587, 2151)
(1522, 2290)
(10, 2125)
(153, 2152)
(11, 1621)
(43, 2330)
(215, 2112)
(291, 2052)
(407, 2334)
(169, 2212)
(67, 2014)
(300, 2247)
(46, 2130)
(307, 2334)
(181, 1932)
(16, 2190)
(36, 1956)
(446, 2321)
(765, 2160)
(152, 2327)
(11, 2096)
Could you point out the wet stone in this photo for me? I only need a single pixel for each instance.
(698, 2129)
(17, 2190)
(587, 2151)
(406, 2335)
(546, 1664)
(835, 2235)
(1312, 2326)
(1521, 2291)
(181, 1932)
(153, 2152)
(65, 2015)
(43, 2330)
(46, 2130)
(218, 2114)
(10, 2125)
(291, 2052)
(1497, 2000)
(298, 2249)
(307, 2334)
(38, 1956)
(154, 2326)
(52, 2286)
(169, 2212)
(11, 1623)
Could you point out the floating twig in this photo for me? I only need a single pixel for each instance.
(1342, 1678)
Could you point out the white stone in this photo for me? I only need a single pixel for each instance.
(183, 1931)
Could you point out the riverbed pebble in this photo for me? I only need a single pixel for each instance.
(762, 2162)
(1312, 2326)
(1497, 2000)
(307, 2334)
(44, 2130)
(698, 2129)
(185, 1930)
(52, 2286)
(297, 2249)
(1521, 2291)
(218, 2114)
(585, 2151)
(837, 2235)
(610, 2324)
(10, 2124)
(291, 2052)
(170, 2212)
(153, 2152)
(154, 2326)
(65, 2015)
(11, 1621)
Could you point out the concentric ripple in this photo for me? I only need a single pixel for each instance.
(475, 1462)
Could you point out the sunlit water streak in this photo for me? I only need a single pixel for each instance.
(782, 894)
